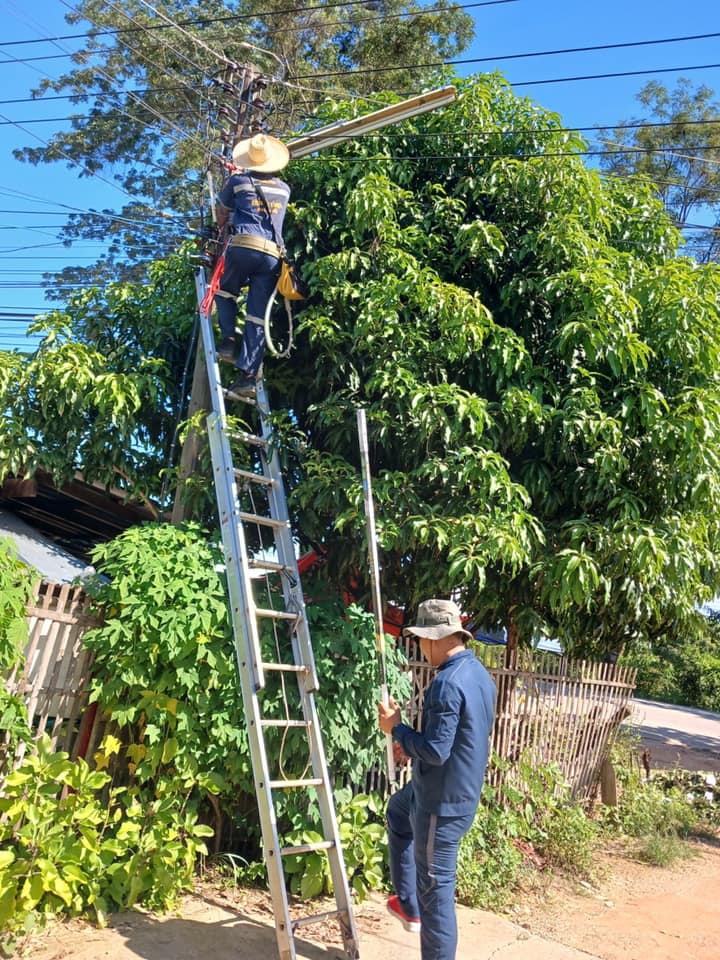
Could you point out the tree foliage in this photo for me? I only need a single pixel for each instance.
(16, 587)
(538, 367)
(679, 152)
(102, 392)
(148, 90)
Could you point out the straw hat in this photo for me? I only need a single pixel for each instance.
(262, 153)
(437, 619)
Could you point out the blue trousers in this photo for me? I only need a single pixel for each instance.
(260, 272)
(423, 862)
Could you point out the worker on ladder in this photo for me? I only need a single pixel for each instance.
(256, 201)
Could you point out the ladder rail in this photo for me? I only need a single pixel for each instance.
(294, 598)
(246, 617)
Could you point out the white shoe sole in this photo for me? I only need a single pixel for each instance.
(412, 926)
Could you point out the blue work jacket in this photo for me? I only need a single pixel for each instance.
(451, 751)
(249, 213)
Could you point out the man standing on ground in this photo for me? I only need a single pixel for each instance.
(431, 814)
(255, 202)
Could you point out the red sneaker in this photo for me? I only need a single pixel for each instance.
(411, 924)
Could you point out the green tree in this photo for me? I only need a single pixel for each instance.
(679, 152)
(102, 392)
(150, 103)
(538, 367)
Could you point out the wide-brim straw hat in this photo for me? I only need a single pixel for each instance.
(262, 153)
(437, 619)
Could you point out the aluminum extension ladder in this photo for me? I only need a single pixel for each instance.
(266, 529)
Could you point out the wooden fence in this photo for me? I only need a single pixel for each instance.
(549, 709)
(55, 680)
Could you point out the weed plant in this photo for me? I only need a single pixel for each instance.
(663, 851)
(533, 809)
(658, 813)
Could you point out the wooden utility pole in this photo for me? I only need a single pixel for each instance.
(248, 85)
(245, 119)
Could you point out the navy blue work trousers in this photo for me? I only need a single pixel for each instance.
(260, 272)
(423, 864)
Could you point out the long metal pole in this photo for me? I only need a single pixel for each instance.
(375, 579)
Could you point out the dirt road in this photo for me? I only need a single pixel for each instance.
(637, 913)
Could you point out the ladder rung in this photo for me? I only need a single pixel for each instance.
(239, 398)
(270, 565)
(307, 848)
(253, 477)
(263, 521)
(287, 667)
(276, 614)
(249, 438)
(284, 723)
(317, 918)
(287, 784)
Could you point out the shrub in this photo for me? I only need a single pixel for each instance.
(164, 668)
(16, 583)
(364, 840)
(532, 809)
(647, 807)
(488, 861)
(70, 844)
(700, 790)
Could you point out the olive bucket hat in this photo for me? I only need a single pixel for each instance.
(437, 619)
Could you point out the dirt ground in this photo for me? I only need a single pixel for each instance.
(633, 912)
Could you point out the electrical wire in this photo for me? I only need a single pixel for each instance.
(251, 16)
(170, 23)
(184, 135)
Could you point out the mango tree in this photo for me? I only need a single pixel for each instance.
(538, 366)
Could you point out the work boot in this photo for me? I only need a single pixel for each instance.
(242, 388)
(226, 350)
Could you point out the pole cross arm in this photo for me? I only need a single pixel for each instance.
(335, 133)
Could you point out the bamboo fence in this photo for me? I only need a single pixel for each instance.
(54, 682)
(549, 709)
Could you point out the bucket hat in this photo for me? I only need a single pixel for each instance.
(262, 153)
(437, 619)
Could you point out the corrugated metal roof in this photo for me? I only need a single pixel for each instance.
(76, 516)
(47, 557)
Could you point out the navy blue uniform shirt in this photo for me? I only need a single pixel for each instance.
(451, 751)
(248, 211)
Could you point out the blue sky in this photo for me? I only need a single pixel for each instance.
(28, 244)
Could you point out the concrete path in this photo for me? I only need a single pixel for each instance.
(211, 927)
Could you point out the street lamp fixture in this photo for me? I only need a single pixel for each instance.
(334, 133)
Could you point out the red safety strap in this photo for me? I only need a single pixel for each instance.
(214, 286)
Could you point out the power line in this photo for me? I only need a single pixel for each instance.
(242, 16)
(184, 135)
(610, 76)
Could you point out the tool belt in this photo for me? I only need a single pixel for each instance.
(252, 242)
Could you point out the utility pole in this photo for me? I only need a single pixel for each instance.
(243, 120)
(248, 85)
